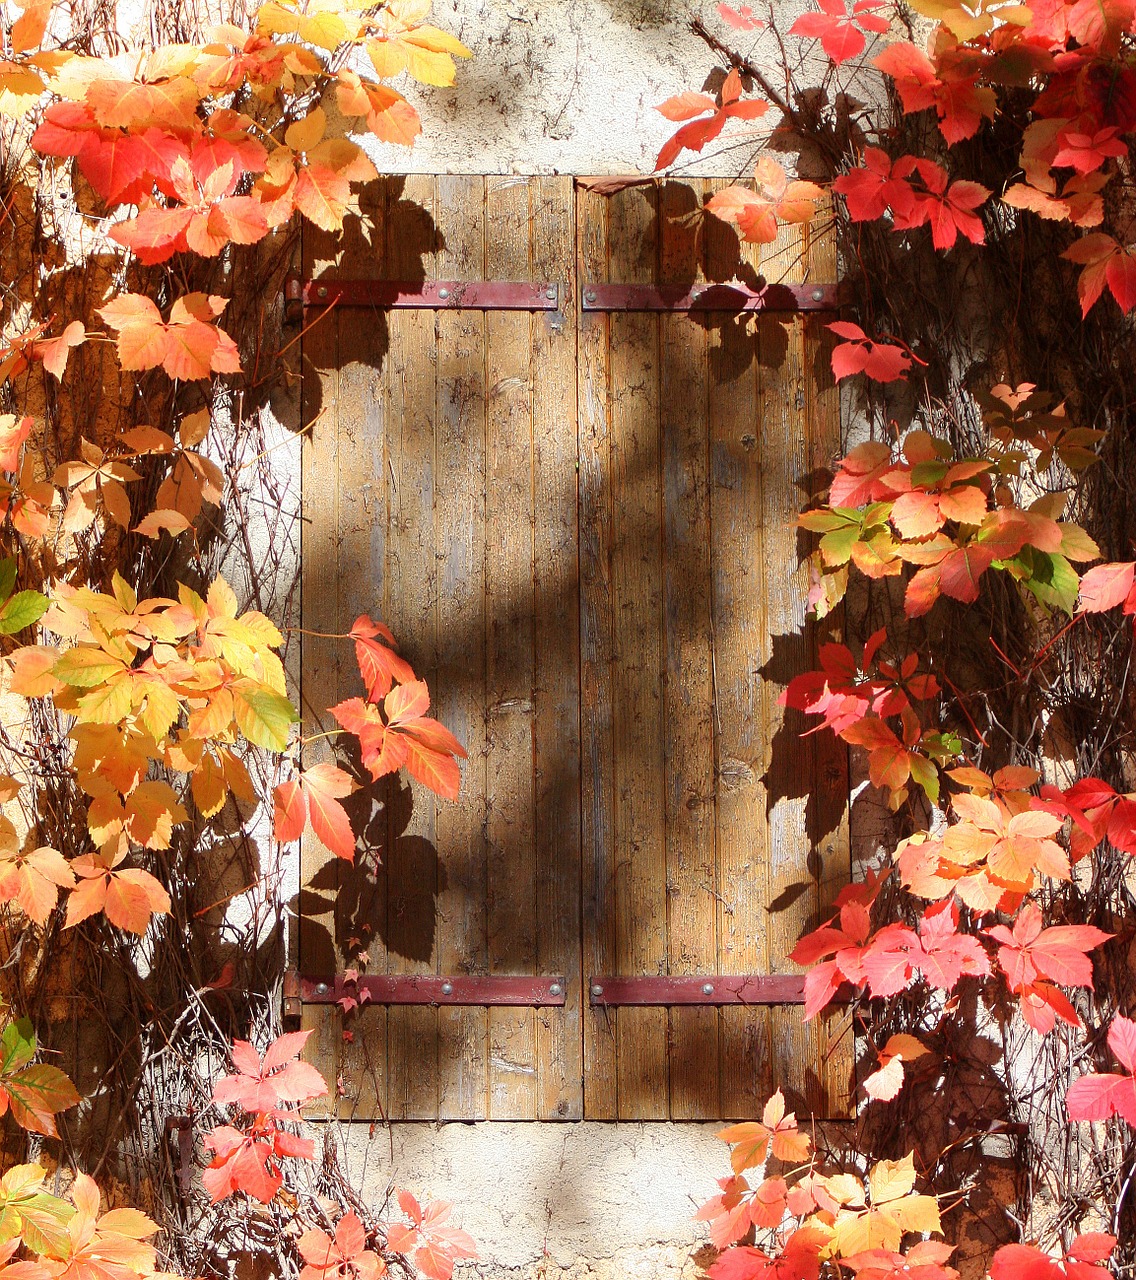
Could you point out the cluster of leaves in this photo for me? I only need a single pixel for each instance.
(988, 847)
(183, 154)
(806, 1218)
(250, 1151)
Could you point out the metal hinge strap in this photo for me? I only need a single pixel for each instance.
(430, 295)
(413, 988)
(711, 297)
(674, 989)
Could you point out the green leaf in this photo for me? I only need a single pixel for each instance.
(262, 715)
(86, 667)
(1052, 579)
(36, 1093)
(17, 1045)
(836, 547)
(24, 608)
(826, 519)
(7, 577)
(926, 775)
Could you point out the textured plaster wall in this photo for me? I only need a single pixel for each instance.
(559, 1200)
(566, 86)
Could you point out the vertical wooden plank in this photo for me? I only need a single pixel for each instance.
(637, 701)
(411, 586)
(688, 744)
(459, 532)
(361, 542)
(597, 639)
(319, 661)
(556, 697)
(784, 448)
(835, 1040)
(744, 578)
(509, 651)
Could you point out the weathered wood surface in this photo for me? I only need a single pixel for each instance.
(582, 532)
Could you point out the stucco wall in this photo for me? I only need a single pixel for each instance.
(558, 1200)
(567, 86)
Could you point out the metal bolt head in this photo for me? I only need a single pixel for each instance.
(321, 988)
(554, 988)
(322, 291)
(589, 295)
(818, 294)
(707, 988)
(447, 988)
(597, 990)
(443, 293)
(550, 293)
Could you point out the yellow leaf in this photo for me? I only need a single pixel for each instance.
(304, 134)
(891, 1179)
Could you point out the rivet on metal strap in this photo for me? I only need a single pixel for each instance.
(597, 990)
(554, 988)
(447, 988)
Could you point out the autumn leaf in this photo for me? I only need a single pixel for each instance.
(777, 1131)
(1098, 1096)
(344, 1257)
(188, 346)
(880, 361)
(35, 1092)
(314, 796)
(436, 1246)
(1030, 951)
(884, 1084)
(262, 1084)
(694, 135)
(379, 663)
(1104, 262)
(840, 31)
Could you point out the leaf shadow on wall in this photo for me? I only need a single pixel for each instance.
(390, 238)
(367, 907)
(683, 245)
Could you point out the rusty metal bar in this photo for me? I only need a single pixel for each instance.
(671, 989)
(470, 989)
(710, 297)
(458, 295)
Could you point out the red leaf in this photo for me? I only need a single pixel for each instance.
(1106, 586)
(379, 664)
(289, 814)
(1096, 1097)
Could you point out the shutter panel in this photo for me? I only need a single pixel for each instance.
(605, 615)
(438, 434)
(704, 850)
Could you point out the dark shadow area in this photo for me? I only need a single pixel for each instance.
(390, 238)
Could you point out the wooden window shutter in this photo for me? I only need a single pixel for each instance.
(581, 529)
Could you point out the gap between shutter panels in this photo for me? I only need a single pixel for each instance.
(647, 860)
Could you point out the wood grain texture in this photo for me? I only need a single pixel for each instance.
(637, 695)
(743, 576)
(597, 649)
(835, 1039)
(688, 736)
(362, 497)
(411, 589)
(460, 698)
(556, 695)
(320, 657)
(512, 923)
(582, 530)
